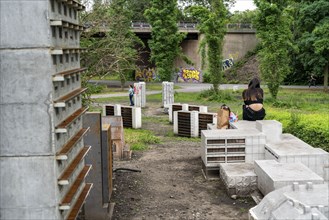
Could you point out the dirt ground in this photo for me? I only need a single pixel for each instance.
(171, 184)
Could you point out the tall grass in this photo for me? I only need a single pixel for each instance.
(139, 139)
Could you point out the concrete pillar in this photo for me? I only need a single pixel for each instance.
(32, 111)
(140, 94)
(167, 94)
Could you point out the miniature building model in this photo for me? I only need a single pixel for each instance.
(167, 94)
(131, 116)
(296, 201)
(140, 94)
(41, 148)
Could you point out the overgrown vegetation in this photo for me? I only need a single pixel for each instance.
(312, 34)
(163, 17)
(139, 139)
(110, 42)
(212, 23)
(273, 24)
(303, 113)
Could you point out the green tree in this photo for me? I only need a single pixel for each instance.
(313, 43)
(138, 7)
(247, 16)
(110, 41)
(162, 15)
(273, 24)
(212, 23)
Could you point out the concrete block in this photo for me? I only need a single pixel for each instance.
(238, 178)
(291, 149)
(137, 117)
(22, 22)
(168, 94)
(193, 123)
(20, 74)
(19, 125)
(295, 201)
(23, 180)
(170, 110)
(140, 94)
(273, 175)
(271, 128)
(243, 125)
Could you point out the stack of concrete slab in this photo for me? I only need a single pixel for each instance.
(168, 94)
(176, 107)
(131, 116)
(140, 94)
(306, 201)
(238, 178)
(198, 108)
(186, 123)
(232, 146)
(273, 175)
(290, 149)
(41, 149)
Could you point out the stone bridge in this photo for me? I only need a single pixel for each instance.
(239, 39)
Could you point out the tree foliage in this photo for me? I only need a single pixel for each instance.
(212, 23)
(165, 42)
(247, 16)
(313, 40)
(273, 24)
(109, 40)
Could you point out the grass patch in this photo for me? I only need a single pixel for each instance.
(311, 125)
(157, 119)
(140, 139)
(171, 134)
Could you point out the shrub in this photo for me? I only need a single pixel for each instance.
(220, 96)
(206, 77)
(140, 139)
(94, 88)
(311, 128)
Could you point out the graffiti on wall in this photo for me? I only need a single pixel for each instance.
(228, 63)
(147, 74)
(190, 75)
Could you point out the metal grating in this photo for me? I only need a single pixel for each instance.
(194, 108)
(236, 150)
(127, 117)
(109, 109)
(204, 119)
(235, 158)
(216, 141)
(216, 159)
(216, 151)
(236, 141)
(184, 124)
(175, 108)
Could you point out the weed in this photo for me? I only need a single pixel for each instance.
(140, 139)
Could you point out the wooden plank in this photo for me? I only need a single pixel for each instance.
(60, 76)
(66, 149)
(80, 201)
(62, 127)
(61, 101)
(64, 178)
(68, 198)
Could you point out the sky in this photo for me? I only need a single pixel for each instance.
(242, 5)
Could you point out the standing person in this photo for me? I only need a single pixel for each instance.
(312, 81)
(131, 95)
(253, 101)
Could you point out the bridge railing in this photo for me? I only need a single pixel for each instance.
(239, 26)
(181, 25)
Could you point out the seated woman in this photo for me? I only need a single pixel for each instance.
(253, 101)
